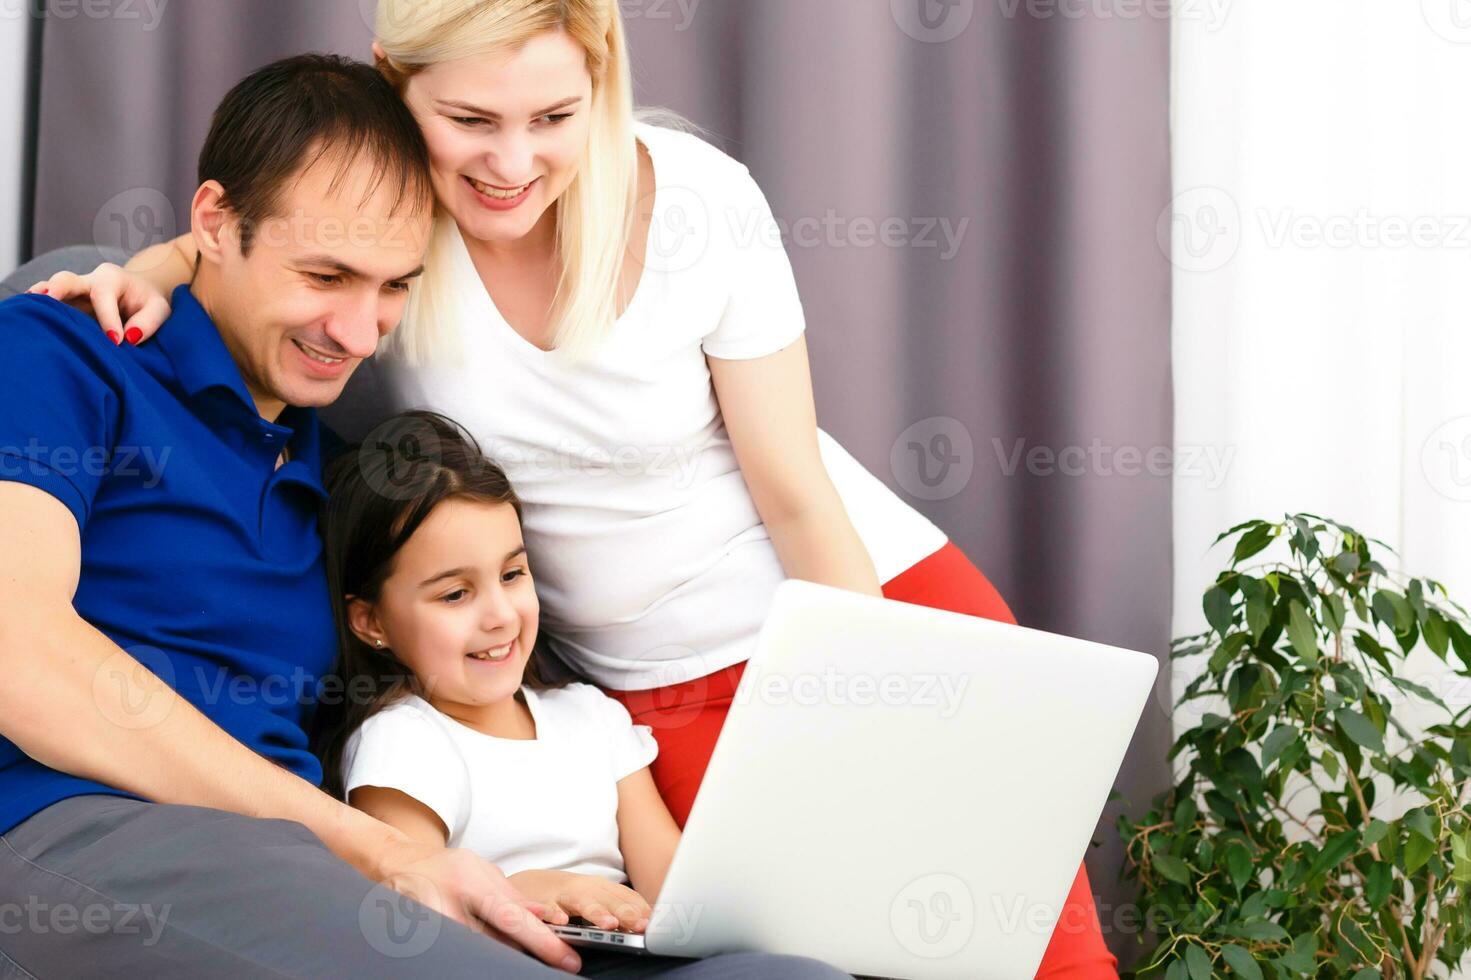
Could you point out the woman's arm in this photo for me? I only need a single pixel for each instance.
(166, 265)
(136, 294)
(647, 834)
(769, 412)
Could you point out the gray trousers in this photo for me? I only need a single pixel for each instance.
(103, 886)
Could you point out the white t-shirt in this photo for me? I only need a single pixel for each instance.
(549, 803)
(651, 561)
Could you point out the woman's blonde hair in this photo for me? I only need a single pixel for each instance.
(595, 214)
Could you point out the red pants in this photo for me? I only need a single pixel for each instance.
(686, 719)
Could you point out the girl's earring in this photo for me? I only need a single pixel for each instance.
(378, 644)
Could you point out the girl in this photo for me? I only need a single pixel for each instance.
(605, 305)
(454, 731)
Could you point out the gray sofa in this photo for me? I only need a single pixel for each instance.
(72, 258)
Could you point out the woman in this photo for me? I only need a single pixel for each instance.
(605, 309)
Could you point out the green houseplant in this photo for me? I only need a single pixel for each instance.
(1267, 858)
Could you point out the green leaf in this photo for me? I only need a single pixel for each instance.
(1218, 612)
(1437, 634)
(1360, 729)
(1198, 961)
(1302, 958)
(1338, 847)
(1177, 971)
(1346, 564)
(1282, 736)
(1417, 852)
(1329, 762)
(1420, 822)
(1238, 864)
(1302, 633)
(1252, 542)
(1368, 973)
(1377, 829)
(1173, 868)
(1241, 961)
(1380, 878)
(1263, 930)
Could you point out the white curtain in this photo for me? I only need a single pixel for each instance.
(1321, 235)
(15, 33)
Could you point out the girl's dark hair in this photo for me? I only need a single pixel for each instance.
(380, 492)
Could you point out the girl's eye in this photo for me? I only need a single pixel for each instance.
(454, 596)
(513, 574)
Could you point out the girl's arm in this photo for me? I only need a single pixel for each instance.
(647, 834)
(769, 412)
(401, 811)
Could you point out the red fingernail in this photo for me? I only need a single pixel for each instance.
(133, 335)
(112, 336)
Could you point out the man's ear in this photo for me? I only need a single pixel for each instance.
(209, 220)
(363, 621)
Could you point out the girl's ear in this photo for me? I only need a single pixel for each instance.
(378, 51)
(363, 621)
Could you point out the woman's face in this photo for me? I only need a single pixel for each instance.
(459, 608)
(506, 133)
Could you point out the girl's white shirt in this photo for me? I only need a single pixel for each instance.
(549, 803)
(650, 559)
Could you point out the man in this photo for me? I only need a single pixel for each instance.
(164, 620)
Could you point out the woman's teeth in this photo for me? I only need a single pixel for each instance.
(496, 192)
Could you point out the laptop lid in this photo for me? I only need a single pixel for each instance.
(900, 791)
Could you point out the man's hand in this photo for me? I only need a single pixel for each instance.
(467, 888)
(598, 900)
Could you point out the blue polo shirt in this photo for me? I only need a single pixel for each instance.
(198, 556)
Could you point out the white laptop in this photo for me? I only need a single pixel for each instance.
(898, 791)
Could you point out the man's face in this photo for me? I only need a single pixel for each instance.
(325, 280)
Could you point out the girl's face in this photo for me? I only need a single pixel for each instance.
(506, 133)
(459, 608)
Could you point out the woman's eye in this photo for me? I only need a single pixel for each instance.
(468, 120)
(398, 287)
(556, 118)
(455, 596)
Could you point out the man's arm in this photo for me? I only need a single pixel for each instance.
(71, 701)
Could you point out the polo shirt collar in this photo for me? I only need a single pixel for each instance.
(199, 355)
(202, 362)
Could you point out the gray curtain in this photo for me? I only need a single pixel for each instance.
(972, 222)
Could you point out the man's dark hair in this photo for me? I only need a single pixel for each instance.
(283, 118)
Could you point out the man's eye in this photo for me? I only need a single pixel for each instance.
(324, 279)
